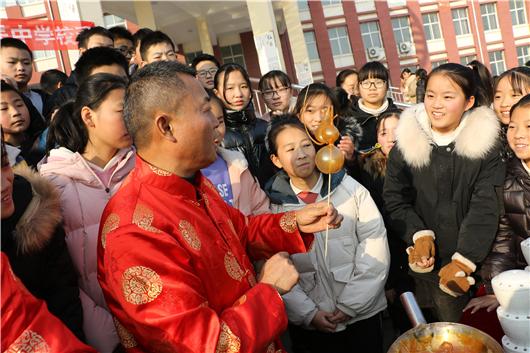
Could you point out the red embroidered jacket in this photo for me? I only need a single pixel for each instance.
(174, 263)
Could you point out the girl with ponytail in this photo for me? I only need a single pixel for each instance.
(90, 154)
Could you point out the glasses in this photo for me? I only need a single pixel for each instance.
(279, 92)
(204, 73)
(368, 84)
(127, 52)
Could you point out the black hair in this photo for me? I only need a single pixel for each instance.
(343, 102)
(527, 63)
(154, 38)
(278, 124)
(272, 76)
(67, 129)
(227, 69)
(5, 158)
(140, 34)
(96, 57)
(523, 103)
(84, 36)
(373, 70)
(204, 57)
(483, 83)
(463, 76)
(9, 42)
(312, 90)
(519, 78)
(421, 74)
(121, 33)
(405, 71)
(343, 75)
(158, 85)
(50, 78)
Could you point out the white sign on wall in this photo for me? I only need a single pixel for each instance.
(268, 55)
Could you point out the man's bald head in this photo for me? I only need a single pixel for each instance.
(156, 88)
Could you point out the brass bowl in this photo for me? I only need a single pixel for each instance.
(445, 337)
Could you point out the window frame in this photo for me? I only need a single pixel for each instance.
(520, 16)
(488, 17)
(494, 63)
(341, 40)
(457, 23)
(431, 25)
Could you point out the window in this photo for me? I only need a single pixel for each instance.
(489, 16)
(302, 5)
(311, 44)
(523, 54)
(27, 2)
(233, 54)
(191, 56)
(464, 60)
(402, 34)
(431, 26)
(517, 11)
(371, 35)
(340, 43)
(330, 2)
(460, 21)
(497, 62)
(435, 64)
(112, 21)
(43, 54)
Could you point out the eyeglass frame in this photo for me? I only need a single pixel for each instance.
(204, 73)
(270, 93)
(372, 83)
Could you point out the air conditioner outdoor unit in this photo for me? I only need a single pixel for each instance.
(374, 52)
(404, 47)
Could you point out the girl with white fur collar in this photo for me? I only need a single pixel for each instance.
(440, 188)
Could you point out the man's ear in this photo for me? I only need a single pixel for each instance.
(276, 161)
(163, 126)
(143, 63)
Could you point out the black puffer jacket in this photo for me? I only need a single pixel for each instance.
(34, 241)
(514, 226)
(246, 133)
(451, 190)
(368, 124)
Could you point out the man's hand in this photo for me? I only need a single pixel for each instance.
(316, 216)
(279, 272)
(346, 147)
(488, 302)
(339, 317)
(322, 321)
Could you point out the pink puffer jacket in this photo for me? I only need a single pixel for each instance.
(83, 198)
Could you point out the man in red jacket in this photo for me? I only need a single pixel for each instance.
(174, 260)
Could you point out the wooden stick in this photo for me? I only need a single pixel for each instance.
(327, 225)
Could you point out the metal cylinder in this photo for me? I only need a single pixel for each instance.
(412, 309)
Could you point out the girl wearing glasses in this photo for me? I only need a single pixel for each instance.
(275, 86)
(373, 87)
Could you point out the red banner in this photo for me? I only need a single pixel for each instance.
(44, 34)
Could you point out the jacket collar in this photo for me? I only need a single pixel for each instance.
(280, 192)
(37, 211)
(476, 139)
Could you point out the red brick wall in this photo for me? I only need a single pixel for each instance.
(251, 56)
(323, 44)
(354, 33)
(387, 34)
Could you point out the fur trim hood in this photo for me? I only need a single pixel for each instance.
(41, 217)
(477, 138)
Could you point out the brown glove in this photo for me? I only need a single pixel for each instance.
(423, 248)
(455, 277)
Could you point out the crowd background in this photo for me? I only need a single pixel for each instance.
(438, 189)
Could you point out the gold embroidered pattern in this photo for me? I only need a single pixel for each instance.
(126, 338)
(210, 185)
(251, 279)
(232, 267)
(111, 223)
(29, 342)
(189, 234)
(141, 285)
(228, 342)
(206, 200)
(271, 348)
(158, 171)
(288, 222)
(143, 218)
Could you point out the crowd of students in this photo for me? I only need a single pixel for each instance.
(434, 198)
